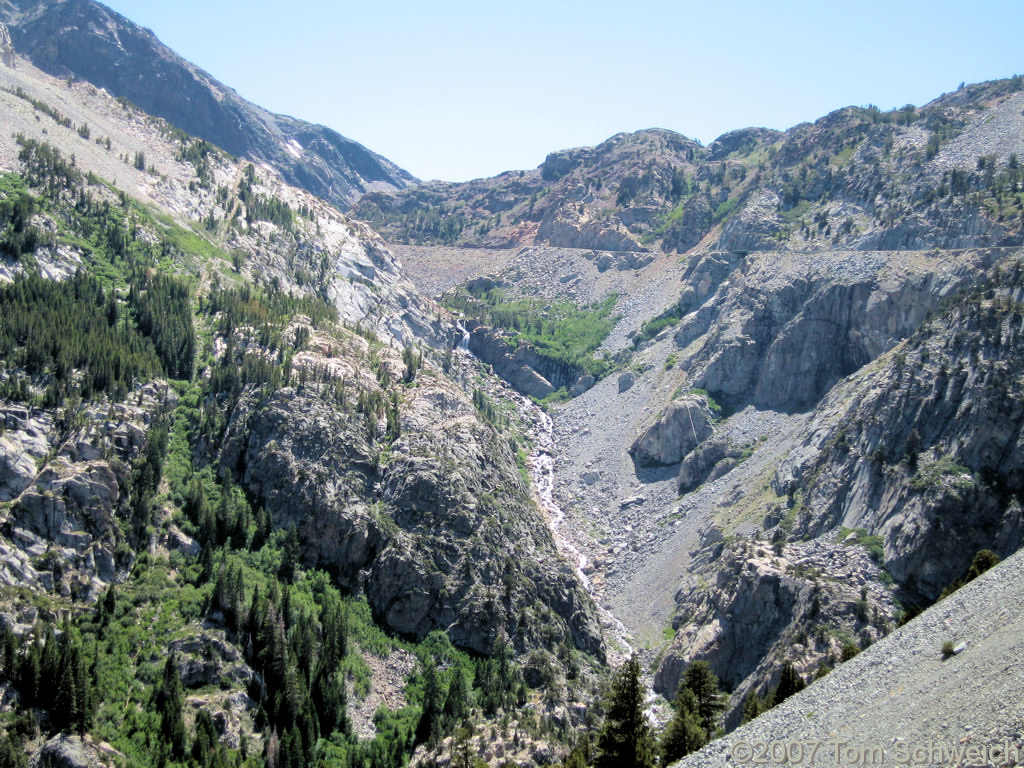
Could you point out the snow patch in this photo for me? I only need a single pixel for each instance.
(293, 148)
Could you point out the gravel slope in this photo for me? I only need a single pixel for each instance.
(902, 691)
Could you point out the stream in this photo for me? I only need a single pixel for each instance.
(541, 466)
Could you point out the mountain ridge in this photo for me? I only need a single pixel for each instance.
(778, 432)
(87, 40)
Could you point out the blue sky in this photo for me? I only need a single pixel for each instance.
(458, 90)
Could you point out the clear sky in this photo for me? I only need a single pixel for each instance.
(459, 90)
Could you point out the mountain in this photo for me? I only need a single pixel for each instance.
(242, 471)
(801, 426)
(920, 691)
(858, 178)
(265, 502)
(88, 41)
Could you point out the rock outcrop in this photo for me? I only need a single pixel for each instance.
(68, 751)
(441, 535)
(772, 603)
(565, 230)
(7, 55)
(66, 483)
(711, 459)
(904, 692)
(915, 460)
(923, 449)
(523, 367)
(681, 427)
(778, 330)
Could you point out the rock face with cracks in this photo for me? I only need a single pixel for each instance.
(439, 533)
(914, 459)
(684, 424)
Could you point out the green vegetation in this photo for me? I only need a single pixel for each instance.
(488, 411)
(712, 403)
(996, 188)
(626, 740)
(699, 705)
(60, 328)
(261, 208)
(114, 670)
(19, 238)
(657, 324)
(55, 114)
(560, 332)
(873, 544)
(932, 474)
(983, 561)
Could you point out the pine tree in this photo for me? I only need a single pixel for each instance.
(754, 706)
(11, 753)
(790, 682)
(683, 734)
(456, 706)
(10, 652)
(704, 684)
(49, 670)
(169, 701)
(205, 742)
(66, 711)
(30, 674)
(625, 740)
(428, 729)
(328, 696)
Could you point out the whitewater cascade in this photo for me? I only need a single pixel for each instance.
(541, 466)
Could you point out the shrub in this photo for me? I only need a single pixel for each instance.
(850, 650)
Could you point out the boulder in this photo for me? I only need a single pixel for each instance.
(684, 424)
(66, 751)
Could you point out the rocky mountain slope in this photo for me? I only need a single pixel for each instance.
(87, 41)
(229, 419)
(262, 227)
(944, 175)
(958, 707)
(782, 376)
(742, 479)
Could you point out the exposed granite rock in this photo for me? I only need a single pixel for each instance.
(690, 227)
(742, 140)
(232, 716)
(558, 164)
(762, 607)
(207, 658)
(708, 461)
(67, 484)
(620, 260)
(7, 55)
(440, 536)
(513, 365)
(903, 690)
(778, 330)
(924, 448)
(812, 194)
(67, 751)
(566, 229)
(684, 424)
(93, 43)
(915, 458)
(522, 367)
